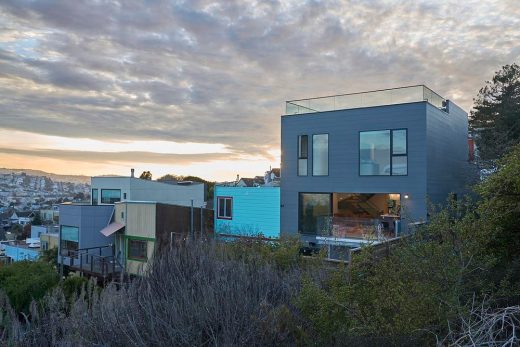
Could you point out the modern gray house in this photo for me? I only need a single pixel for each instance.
(87, 231)
(364, 166)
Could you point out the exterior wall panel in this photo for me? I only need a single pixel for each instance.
(448, 167)
(343, 127)
(255, 210)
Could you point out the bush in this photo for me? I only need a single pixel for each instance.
(72, 286)
(203, 294)
(26, 281)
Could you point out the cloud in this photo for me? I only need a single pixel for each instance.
(219, 72)
(119, 157)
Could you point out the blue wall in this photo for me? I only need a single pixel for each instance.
(256, 210)
(20, 253)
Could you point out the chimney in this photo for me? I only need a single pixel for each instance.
(238, 177)
(132, 173)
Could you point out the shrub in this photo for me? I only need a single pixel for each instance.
(26, 281)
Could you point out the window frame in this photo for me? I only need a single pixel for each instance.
(137, 258)
(328, 154)
(230, 198)
(110, 203)
(300, 205)
(301, 157)
(65, 251)
(391, 152)
(96, 201)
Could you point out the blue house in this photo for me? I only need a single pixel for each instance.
(20, 250)
(247, 211)
(362, 167)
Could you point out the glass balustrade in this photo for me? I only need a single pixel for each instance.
(365, 99)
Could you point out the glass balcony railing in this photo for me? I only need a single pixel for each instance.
(365, 99)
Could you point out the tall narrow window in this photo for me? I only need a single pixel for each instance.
(224, 207)
(69, 239)
(399, 153)
(383, 153)
(303, 154)
(94, 196)
(314, 213)
(320, 155)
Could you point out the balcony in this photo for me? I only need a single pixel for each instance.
(94, 261)
(365, 99)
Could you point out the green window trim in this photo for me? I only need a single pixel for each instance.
(137, 238)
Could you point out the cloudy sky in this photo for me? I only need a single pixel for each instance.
(198, 87)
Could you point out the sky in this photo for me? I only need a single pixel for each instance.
(198, 87)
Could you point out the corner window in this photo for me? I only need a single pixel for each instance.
(383, 153)
(69, 239)
(94, 196)
(320, 155)
(224, 207)
(314, 213)
(303, 154)
(138, 249)
(110, 196)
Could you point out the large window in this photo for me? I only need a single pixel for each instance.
(224, 207)
(110, 196)
(314, 213)
(69, 239)
(303, 154)
(137, 249)
(94, 196)
(383, 153)
(320, 155)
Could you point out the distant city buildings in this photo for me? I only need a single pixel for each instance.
(23, 192)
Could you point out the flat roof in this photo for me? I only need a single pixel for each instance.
(380, 97)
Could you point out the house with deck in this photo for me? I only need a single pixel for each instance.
(361, 168)
(84, 243)
(142, 228)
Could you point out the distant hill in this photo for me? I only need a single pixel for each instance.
(52, 176)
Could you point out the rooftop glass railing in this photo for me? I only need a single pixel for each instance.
(365, 99)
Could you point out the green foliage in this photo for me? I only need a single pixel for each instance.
(49, 256)
(72, 286)
(499, 211)
(37, 220)
(210, 186)
(413, 289)
(496, 115)
(24, 281)
(283, 253)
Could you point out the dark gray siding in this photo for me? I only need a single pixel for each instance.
(447, 140)
(90, 220)
(343, 127)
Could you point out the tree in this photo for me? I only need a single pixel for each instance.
(496, 115)
(146, 175)
(37, 220)
(170, 177)
(500, 209)
(210, 186)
